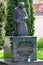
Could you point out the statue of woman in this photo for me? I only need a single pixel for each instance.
(20, 17)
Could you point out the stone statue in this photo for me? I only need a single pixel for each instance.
(20, 17)
(24, 49)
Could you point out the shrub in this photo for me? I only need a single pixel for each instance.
(2, 23)
(40, 43)
(32, 18)
(10, 25)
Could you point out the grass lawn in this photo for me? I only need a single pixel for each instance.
(1, 55)
(40, 55)
(39, 48)
(9, 55)
(6, 55)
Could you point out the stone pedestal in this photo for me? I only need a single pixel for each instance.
(24, 48)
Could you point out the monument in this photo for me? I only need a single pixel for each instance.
(20, 17)
(24, 46)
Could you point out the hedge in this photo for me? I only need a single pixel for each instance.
(40, 43)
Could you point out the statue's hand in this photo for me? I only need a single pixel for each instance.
(24, 18)
(19, 20)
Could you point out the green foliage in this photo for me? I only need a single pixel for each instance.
(10, 12)
(6, 55)
(10, 26)
(40, 43)
(2, 23)
(31, 18)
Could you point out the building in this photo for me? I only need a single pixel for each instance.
(38, 8)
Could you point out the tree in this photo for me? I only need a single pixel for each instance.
(32, 18)
(10, 11)
(2, 22)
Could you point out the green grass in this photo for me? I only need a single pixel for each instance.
(40, 48)
(6, 56)
(40, 55)
(1, 55)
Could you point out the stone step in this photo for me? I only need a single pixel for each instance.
(4, 62)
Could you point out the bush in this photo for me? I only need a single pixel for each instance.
(10, 25)
(32, 18)
(2, 23)
(40, 43)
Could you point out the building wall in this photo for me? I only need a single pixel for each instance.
(39, 26)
